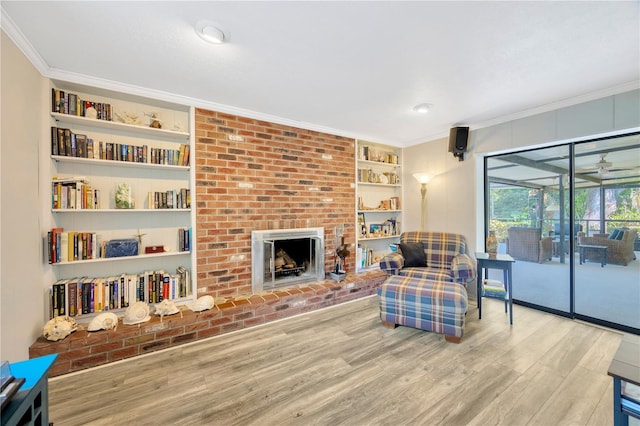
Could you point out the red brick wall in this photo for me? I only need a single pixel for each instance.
(256, 175)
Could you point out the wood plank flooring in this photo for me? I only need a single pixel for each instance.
(341, 366)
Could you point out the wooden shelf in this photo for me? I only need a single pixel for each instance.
(379, 211)
(119, 210)
(114, 125)
(116, 163)
(380, 184)
(387, 237)
(122, 258)
(379, 163)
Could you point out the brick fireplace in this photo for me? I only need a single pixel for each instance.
(250, 175)
(255, 175)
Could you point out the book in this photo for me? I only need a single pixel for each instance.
(64, 247)
(72, 289)
(81, 146)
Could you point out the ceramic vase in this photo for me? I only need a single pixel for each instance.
(492, 243)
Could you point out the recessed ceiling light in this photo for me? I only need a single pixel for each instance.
(422, 108)
(210, 32)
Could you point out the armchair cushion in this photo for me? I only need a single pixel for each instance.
(413, 254)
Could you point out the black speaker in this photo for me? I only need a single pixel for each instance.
(458, 138)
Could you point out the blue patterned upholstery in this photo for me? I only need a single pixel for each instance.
(446, 255)
(437, 306)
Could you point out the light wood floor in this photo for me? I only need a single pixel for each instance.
(340, 366)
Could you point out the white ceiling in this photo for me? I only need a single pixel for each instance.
(352, 68)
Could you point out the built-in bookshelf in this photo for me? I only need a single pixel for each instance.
(120, 184)
(378, 202)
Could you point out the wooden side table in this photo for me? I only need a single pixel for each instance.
(30, 406)
(625, 367)
(499, 261)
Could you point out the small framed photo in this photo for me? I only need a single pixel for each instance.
(375, 229)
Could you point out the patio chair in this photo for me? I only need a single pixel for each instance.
(528, 244)
(619, 252)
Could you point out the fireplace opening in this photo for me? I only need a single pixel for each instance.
(286, 257)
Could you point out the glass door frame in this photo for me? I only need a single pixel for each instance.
(571, 146)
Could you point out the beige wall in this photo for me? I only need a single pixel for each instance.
(455, 194)
(21, 270)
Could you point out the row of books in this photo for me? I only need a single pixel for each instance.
(73, 193)
(170, 199)
(70, 103)
(364, 256)
(70, 246)
(79, 296)
(371, 154)
(66, 143)
(371, 176)
(184, 239)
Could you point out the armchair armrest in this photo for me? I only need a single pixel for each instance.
(392, 263)
(546, 243)
(546, 249)
(463, 268)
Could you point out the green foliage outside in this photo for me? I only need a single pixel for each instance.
(628, 208)
(519, 207)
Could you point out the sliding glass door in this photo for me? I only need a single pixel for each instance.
(570, 215)
(607, 201)
(528, 210)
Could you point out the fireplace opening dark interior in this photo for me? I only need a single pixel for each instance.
(292, 258)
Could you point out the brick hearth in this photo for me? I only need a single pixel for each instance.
(84, 349)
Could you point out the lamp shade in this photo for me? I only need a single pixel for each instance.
(421, 177)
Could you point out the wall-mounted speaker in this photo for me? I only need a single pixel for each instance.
(458, 139)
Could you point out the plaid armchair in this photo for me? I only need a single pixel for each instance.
(528, 244)
(446, 255)
(619, 252)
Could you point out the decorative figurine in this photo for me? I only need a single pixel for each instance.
(124, 200)
(339, 272)
(136, 313)
(59, 327)
(155, 122)
(166, 307)
(202, 304)
(104, 321)
(127, 118)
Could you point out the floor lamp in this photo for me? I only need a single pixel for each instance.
(423, 178)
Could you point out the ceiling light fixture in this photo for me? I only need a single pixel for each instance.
(422, 108)
(209, 32)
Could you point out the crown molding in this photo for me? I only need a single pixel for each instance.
(553, 106)
(563, 103)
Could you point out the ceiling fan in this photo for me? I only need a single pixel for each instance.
(603, 168)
